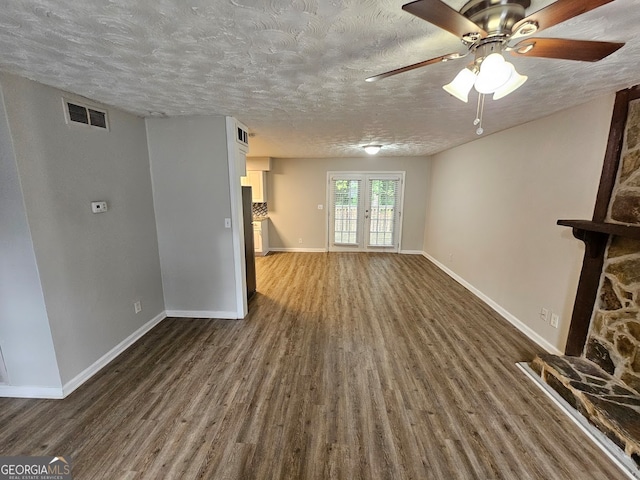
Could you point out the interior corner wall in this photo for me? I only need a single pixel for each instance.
(494, 204)
(93, 267)
(26, 343)
(296, 186)
(190, 171)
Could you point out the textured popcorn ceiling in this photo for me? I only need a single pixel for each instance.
(293, 70)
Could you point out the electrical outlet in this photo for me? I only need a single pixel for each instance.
(300, 240)
(137, 306)
(450, 257)
(320, 207)
(555, 319)
(227, 223)
(544, 314)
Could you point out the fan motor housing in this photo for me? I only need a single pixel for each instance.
(496, 17)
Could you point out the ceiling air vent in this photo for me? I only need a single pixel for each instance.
(76, 113)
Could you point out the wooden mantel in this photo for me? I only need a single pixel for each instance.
(628, 231)
(596, 234)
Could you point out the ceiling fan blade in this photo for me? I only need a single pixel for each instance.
(558, 12)
(584, 50)
(443, 16)
(443, 58)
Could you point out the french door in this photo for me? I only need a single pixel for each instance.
(365, 211)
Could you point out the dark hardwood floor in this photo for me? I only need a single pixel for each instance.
(349, 366)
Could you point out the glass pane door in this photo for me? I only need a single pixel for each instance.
(382, 212)
(346, 211)
(364, 213)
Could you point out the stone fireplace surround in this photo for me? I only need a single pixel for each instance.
(600, 374)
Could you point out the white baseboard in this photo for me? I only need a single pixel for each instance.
(99, 364)
(324, 250)
(519, 324)
(202, 314)
(30, 391)
(308, 250)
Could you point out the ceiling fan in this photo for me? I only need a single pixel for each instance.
(490, 27)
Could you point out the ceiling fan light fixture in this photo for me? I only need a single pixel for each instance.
(372, 149)
(461, 85)
(515, 81)
(494, 74)
(489, 27)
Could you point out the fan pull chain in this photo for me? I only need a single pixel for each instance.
(479, 113)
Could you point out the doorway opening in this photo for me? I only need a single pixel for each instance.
(4, 378)
(365, 211)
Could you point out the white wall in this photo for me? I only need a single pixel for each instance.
(190, 171)
(25, 337)
(494, 204)
(297, 186)
(92, 267)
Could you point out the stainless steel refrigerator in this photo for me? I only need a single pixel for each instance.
(249, 251)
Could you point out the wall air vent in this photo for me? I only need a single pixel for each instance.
(78, 114)
(242, 136)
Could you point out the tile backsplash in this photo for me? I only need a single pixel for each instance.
(260, 209)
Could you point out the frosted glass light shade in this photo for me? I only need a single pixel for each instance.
(372, 149)
(515, 81)
(494, 73)
(461, 85)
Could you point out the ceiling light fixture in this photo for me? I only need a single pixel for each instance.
(372, 149)
(462, 84)
(489, 74)
(490, 27)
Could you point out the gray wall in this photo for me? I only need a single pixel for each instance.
(190, 171)
(494, 205)
(25, 337)
(297, 186)
(92, 267)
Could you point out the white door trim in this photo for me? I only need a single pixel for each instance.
(237, 227)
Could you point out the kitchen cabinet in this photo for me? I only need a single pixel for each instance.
(261, 236)
(257, 180)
